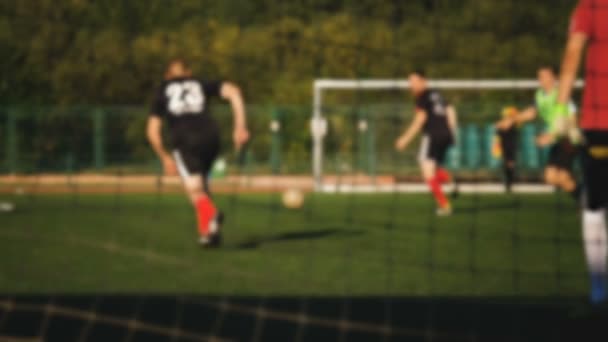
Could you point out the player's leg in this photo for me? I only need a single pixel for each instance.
(208, 155)
(442, 174)
(551, 175)
(509, 171)
(595, 169)
(428, 168)
(566, 182)
(509, 150)
(566, 179)
(191, 171)
(430, 151)
(551, 169)
(562, 159)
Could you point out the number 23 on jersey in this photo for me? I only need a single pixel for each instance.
(185, 98)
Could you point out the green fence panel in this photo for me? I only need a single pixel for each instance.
(366, 144)
(472, 152)
(12, 149)
(371, 146)
(454, 156)
(362, 132)
(99, 139)
(492, 161)
(529, 151)
(275, 141)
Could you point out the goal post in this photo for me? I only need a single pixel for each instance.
(321, 86)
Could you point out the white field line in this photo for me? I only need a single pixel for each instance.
(467, 188)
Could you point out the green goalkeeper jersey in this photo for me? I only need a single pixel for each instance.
(546, 104)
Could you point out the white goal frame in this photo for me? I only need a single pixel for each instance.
(320, 86)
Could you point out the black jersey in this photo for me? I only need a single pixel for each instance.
(184, 104)
(435, 106)
(508, 143)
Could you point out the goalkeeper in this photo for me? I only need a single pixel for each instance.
(561, 134)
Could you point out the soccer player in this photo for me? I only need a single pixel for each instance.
(437, 119)
(182, 101)
(507, 133)
(560, 134)
(589, 27)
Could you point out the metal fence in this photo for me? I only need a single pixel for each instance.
(58, 139)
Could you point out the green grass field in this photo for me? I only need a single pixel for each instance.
(494, 245)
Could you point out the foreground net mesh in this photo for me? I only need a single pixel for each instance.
(157, 318)
(94, 218)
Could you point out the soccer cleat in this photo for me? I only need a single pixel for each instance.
(211, 240)
(444, 211)
(598, 289)
(214, 238)
(204, 241)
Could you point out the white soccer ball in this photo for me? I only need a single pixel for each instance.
(6, 207)
(293, 198)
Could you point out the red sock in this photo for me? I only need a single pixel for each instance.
(442, 175)
(435, 186)
(205, 211)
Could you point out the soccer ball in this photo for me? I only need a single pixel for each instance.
(293, 198)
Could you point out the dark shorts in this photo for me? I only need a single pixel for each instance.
(508, 144)
(562, 155)
(595, 169)
(435, 147)
(198, 155)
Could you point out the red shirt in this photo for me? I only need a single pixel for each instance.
(591, 18)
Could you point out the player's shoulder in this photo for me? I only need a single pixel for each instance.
(181, 80)
(435, 95)
(426, 95)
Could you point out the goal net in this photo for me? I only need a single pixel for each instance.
(355, 123)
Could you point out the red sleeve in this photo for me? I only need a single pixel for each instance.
(581, 21)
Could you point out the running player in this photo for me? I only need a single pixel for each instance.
(589, 26)
(437, 119)
(507, 133)
(182, 102)
(558, 135)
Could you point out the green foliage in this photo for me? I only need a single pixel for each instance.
(113, 52)
(65, 54)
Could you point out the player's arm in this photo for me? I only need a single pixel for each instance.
(412, 131)
(231, 93)
(504, 124)
(155, 138)
(570, 64)
(527, 115)
(452, 116)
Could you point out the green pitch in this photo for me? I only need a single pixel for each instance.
(393, 244)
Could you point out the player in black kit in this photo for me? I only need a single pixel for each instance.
(508, 133)
(182, 101)
(437, 119)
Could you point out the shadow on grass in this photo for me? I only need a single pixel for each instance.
(488, 207)
(298, 235)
